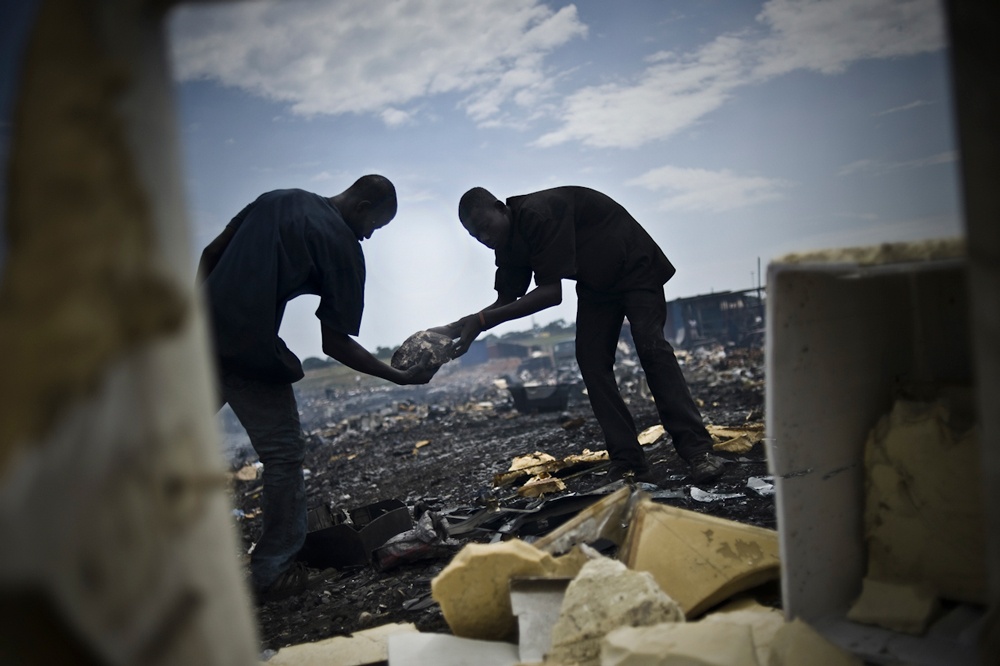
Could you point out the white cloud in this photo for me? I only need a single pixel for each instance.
(671, 94)
(828, 35)
(708, 191)
(905, 107)
(374, 56)
(677, 91)
(876, 167)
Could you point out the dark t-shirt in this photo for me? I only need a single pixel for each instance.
(288, 243)
(580, 234)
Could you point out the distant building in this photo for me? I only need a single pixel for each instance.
(725, 317)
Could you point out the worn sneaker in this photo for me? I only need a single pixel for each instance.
(631, 476)
(295, 580)
(706, 467)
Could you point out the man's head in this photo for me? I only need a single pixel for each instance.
(485, 217)
(367, 205)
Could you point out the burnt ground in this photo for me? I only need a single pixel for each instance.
(437, 448)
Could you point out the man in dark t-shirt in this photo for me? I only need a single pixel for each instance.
(576, 233)
(285, 244)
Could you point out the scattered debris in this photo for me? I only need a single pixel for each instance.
(428, 539)
(651, 434)
(339, 543)
(361, 440)
(736, 440)
(541, 484)
(543, 463)
(708, 496)
(763, 486)
(249, 472)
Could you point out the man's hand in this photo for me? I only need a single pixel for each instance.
(422, 372)
(470, 327)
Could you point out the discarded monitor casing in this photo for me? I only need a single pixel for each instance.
(334, 542)
(843, 329)
(544, 398)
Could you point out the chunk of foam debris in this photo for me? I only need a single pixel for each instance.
(736, 440)
(796, 643)
(443, 650)
(539, 485)
(603, 596)
(908, 609)
(651, 434)
(763, 621)
(924, 514)
(680, 644)
(364, 647)
(699, 560)
(473, 590)
(538, 462)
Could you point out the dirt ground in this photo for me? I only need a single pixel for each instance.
(437, 448)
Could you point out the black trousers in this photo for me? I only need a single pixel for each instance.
(599, 320)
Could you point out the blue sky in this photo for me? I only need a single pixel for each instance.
(732, 130)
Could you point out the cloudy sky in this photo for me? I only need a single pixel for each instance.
(733, 130)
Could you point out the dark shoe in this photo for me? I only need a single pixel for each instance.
(632, 477)
(706, 467)
(296, 580)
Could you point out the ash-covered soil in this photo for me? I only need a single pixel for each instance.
(437, 448)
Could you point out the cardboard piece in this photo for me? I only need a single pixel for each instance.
(699, 560)
(364, 647)
(680, 644)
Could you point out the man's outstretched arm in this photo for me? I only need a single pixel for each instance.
(346, 350)
(470, 326)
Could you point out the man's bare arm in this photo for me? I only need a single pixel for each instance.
(346, 350)
(470, 326)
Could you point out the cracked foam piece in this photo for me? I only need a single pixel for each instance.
(606, 595)
(680, 644)
(763, 621)
(474, 589)
(362, 647)
(924, 516)
(907, 609)
(797, 643)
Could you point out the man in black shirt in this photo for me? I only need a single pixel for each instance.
(576, 233)
(285, 244)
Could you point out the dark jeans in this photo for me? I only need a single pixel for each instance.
(271, 418)
(599, 321)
